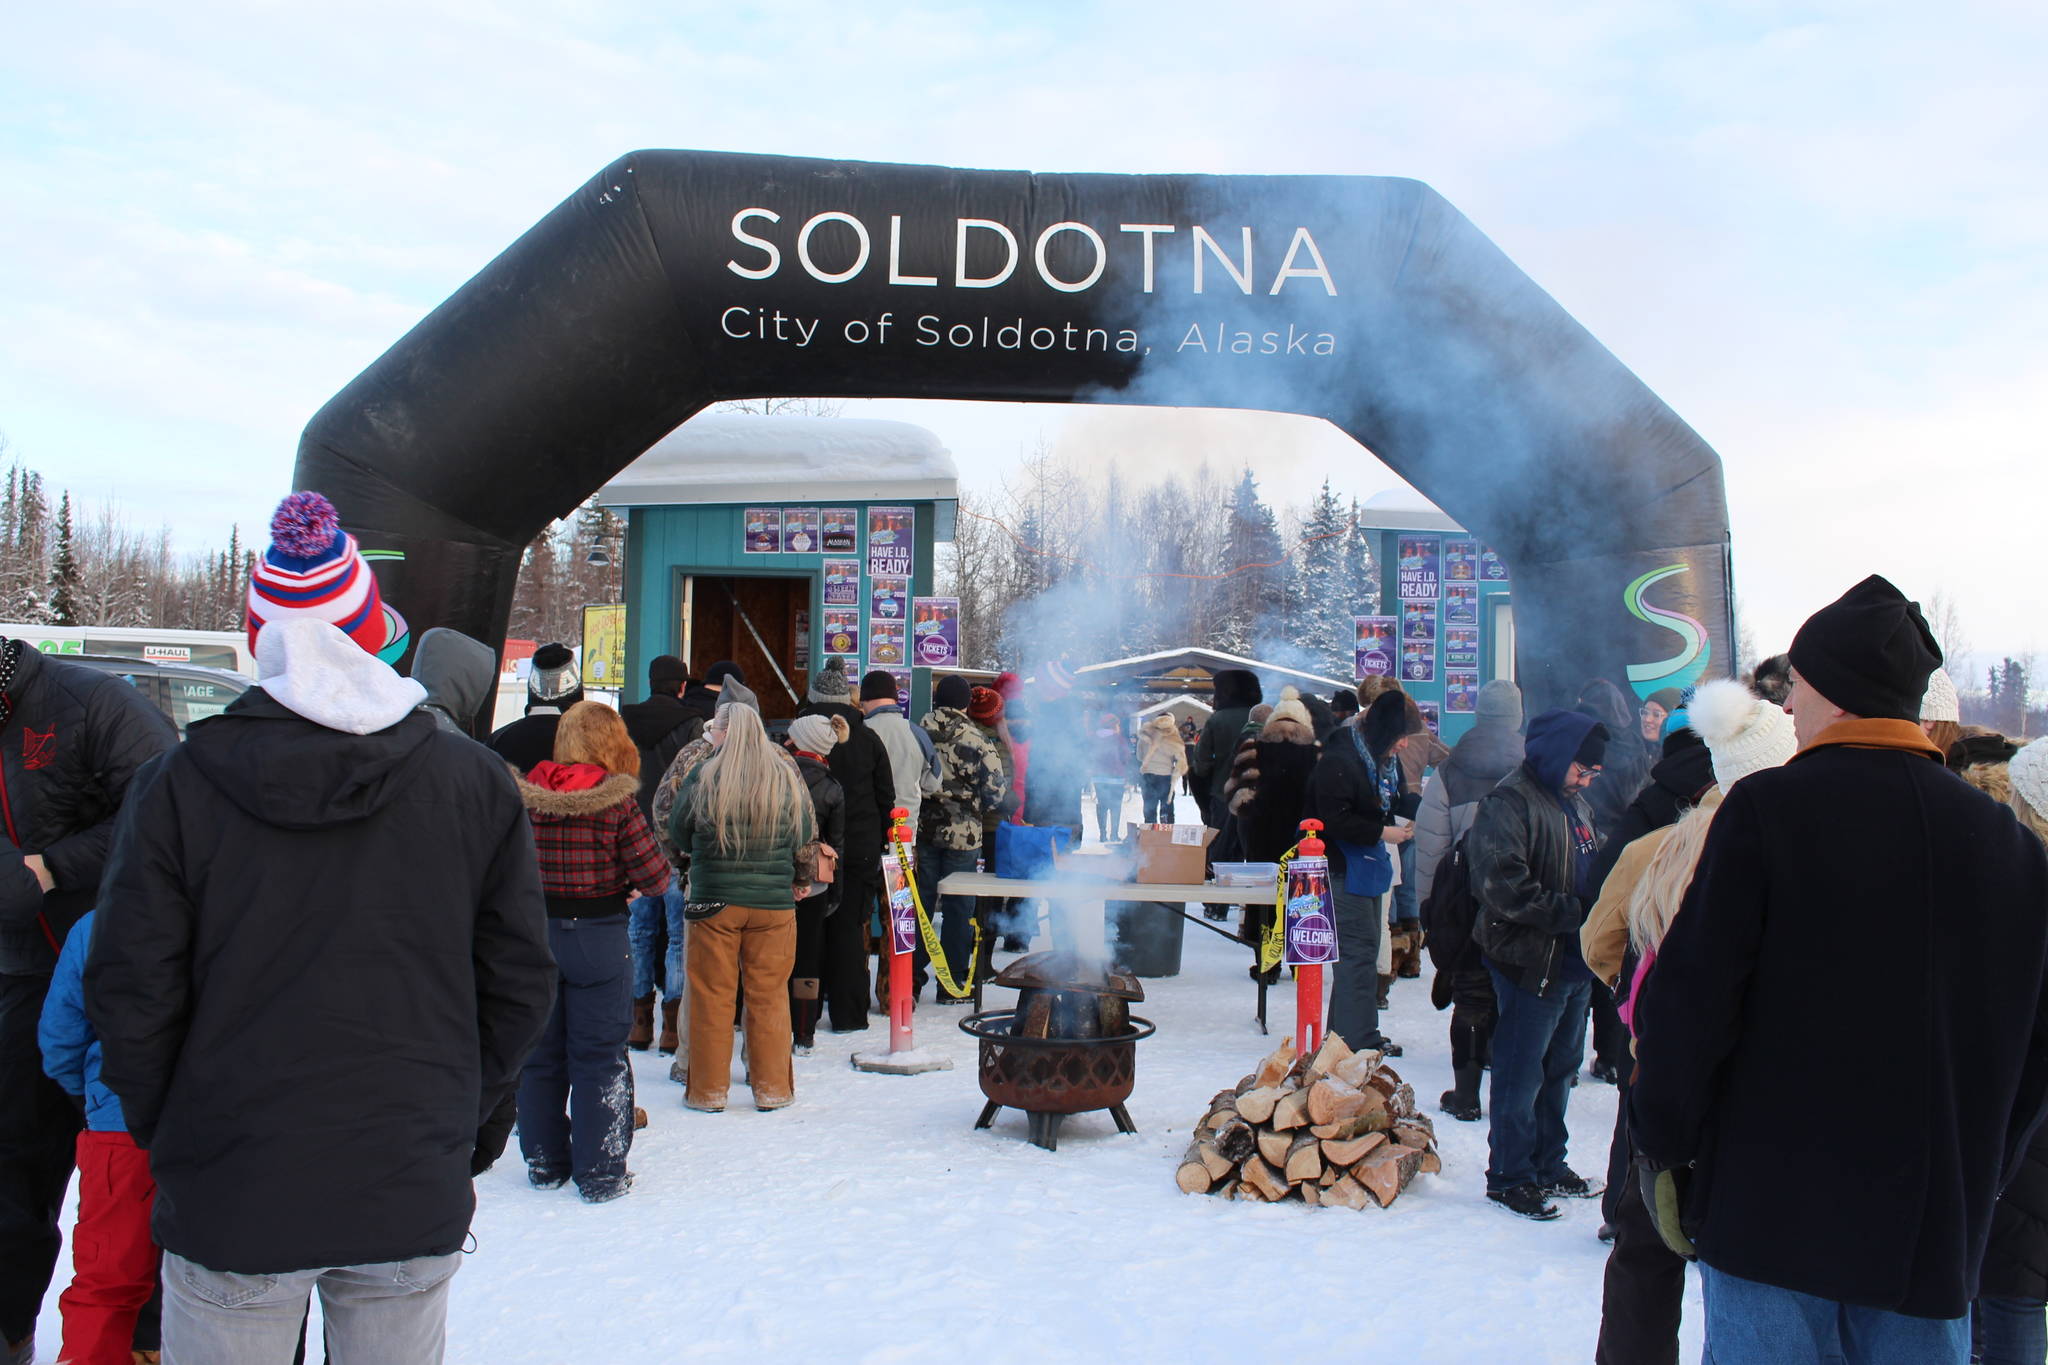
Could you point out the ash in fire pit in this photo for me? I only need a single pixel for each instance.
(1069, 1046)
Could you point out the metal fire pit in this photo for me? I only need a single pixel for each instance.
(1069, 1046)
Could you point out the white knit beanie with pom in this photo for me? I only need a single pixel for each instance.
(2029, 772)
(1941, 702)
(1743, 732)
(1290, 708)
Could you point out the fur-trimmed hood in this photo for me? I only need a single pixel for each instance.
(548, 804)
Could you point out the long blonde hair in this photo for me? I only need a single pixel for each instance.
(749, 791)
(1661, 889)
(1995, 781)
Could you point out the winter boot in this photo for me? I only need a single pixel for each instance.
(1386, 985)
(803, 1013)
(668, 1042)
(1408, 949)
(642, 1032)
(1526, 1200)
(1461, 1101)
(639, 1118)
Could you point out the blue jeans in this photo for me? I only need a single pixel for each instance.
(641, 918)
(1760, 1324)
(1406, 903)
(2012, 1331)
(1157, 789)
(579, 1064)
(953, 916)
(1537, 1047)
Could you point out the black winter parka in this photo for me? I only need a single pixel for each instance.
(319, 963)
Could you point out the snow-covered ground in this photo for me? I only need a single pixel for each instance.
(871, 1222)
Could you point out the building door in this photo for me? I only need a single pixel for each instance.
(1501, 662)
(752, 622)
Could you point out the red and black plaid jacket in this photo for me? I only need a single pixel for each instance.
(595, 842)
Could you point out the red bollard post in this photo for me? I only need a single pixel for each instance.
(1310, 935)
(900, 923)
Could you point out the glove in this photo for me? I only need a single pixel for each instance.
(1664, 1194)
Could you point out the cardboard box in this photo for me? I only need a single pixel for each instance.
(1177, 854)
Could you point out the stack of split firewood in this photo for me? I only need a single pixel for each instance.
(1335, 1127)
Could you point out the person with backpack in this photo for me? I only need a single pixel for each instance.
(1486, 754)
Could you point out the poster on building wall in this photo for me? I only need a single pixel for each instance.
(1461, 604)
(1432, 716)
(1418, 620)
(800, 530)
(1418, 660)
(1461, 561)
(842, 582)
(803, 638)
(1372, 650)
(839, 530)
(892, 539)
(889, 598)
(604, 646)
(763, 530)
(1491, 569)
(842, 631)
(885, 643)
(1461, 693)
(1461, 647)
(902, 677)
(935, 631)
(1419, 569)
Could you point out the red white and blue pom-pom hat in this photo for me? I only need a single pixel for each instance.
(314, 569)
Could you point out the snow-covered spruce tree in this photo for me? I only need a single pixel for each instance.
(1251, 594)
(65, 579)
(1322, 615)
(1361, 571)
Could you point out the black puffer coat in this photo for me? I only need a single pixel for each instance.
(319, 962)
(828, 803)
(67, 754)
(659, 727)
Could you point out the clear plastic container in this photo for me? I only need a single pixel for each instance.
(1247, 874)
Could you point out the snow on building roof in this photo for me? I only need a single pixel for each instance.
(739, 457)
(1159, 668)
(1401, 508)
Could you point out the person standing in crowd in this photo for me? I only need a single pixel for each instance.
(1487, 753)
(1739, 733)
(72, 740)
(1532, 849)
(596, 855)
(552, 687)
(1162, 757)
(1627, 766)
(1656, 709)
(1111, 764)
(971, 787)
(2009, 1319)
(1357, 790)
(913, 762)
(1236, 693)
(1422, 753)
(109, 1317)
(1190, 739)
(459, 674)
(744, 821)
(1344, 702)
(812, 741)
(315, 872)
(660, 727)
(1267, 792)
(702, 699)
(1941, 714)
(860, 765)
(1856, 887)
(989, 711)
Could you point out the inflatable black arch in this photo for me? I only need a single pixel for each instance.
(676, 279)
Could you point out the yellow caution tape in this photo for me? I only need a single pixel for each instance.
(1271, 948)
(932, 947)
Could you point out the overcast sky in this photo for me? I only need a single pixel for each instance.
(1816, 230)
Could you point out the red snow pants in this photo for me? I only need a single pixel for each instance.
(113, 1261)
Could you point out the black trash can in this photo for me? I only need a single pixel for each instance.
(1148, 937)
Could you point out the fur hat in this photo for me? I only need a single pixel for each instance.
(1940, 701)
(1385, 722)
(830, 684)
(1743, 732)
(314, 569)
(984, 706)
(817, 734)
(2030, 775)
(1290, 708)
(551, 678)
(1869, 652)
(1500, 701)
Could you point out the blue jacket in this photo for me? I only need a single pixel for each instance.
(71, 1050)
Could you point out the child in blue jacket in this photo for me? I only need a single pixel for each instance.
(114, 1259)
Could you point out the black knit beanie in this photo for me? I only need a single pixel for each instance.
(952, 692)
(716, 675)
(1593, 748)
(1869, 652)
(878, 686)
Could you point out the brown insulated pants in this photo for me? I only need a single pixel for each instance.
(741, 950)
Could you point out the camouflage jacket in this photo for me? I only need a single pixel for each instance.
(971, 782)
(664, 804)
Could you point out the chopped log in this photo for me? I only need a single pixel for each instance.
(1384, 1081)
(1350, 1151)
(1333, 1051)
(1330, 1176)
(1371, 1121)
(1304, 1160)
(1412, 1134)
(1330, 1100)
(1235, 1140)
(1193, 1177)
(1432, 1164)
(1311, 1195)
(1257, 1104)
(1247, 1192)
(1358, 1068)
(1274, 1146)
(1292, 1111)
(1275, 1066)
(1217, 1164)
(1244, 1083)
(1225, 1190)
(1347, 1193)
(1387, 1172)
(1402, 1103)
(1264, 1179)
